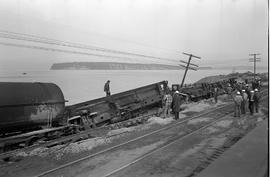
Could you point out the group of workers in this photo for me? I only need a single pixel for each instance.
(173, 102)
(246, 99)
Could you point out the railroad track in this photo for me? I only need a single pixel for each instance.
(222, 112)
(207, 113)
(74, 137)
(149, 154)
(222, 115)
(91, 133)
(161, 148)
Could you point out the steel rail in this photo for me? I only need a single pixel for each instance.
(138, 138)
(130, 141)
(165, 146)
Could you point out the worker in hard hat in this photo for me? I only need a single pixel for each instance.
(256, 100)
(251, 102)
(215, 92)
(244, 104)
(237, 100)
(229, 89)
(176, 102)
(167, 99)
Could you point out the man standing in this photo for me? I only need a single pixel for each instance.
(251, 102)
(229, 89)
(215, 93)
(247, 90)
(167, 101)
(107, 88)
(176, 102)
(237, 100)
(244, 102)
(256, 100)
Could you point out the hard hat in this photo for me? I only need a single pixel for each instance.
(256, 90)
(243, 90)
(251, 91)
(238, 93)
(247, 85)
(176, 91)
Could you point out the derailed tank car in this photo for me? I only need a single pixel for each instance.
(28, 106)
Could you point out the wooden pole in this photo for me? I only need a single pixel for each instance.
(183, 80)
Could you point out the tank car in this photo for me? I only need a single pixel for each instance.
(28, 106)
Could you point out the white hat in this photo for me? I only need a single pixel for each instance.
(243, 90)
(246, 84)
(238, 93)
(251, 91)
(176, 91)
(256, 90)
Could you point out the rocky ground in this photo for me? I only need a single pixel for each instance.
(41, 159)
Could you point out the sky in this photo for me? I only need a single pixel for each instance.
(221, 32)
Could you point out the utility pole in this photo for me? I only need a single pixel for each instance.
(254, 60)
(187, 66)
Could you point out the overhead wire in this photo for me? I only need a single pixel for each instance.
(38, 39)
(128, 41)
(60, 50)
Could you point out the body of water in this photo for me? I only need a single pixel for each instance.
(84, 85)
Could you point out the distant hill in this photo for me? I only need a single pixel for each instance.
(243, 76)
(250, 67)
(113, 66)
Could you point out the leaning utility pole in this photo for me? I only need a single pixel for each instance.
(187, 66)
(254, 60)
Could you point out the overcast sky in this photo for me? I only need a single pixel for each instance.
(222, 32)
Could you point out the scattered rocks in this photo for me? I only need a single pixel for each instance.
(159, 120)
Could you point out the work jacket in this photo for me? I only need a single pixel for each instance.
(256, 97)
(245, 96)
(176, 103)
(107, 87)
(238, 99)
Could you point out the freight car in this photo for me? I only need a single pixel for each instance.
(29, 106)
(117, 107)
(200, 91)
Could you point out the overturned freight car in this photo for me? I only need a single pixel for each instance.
(117, 107)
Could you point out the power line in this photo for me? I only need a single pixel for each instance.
(58, 50)
(38, 39)
(137, 43)
(61, 50)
